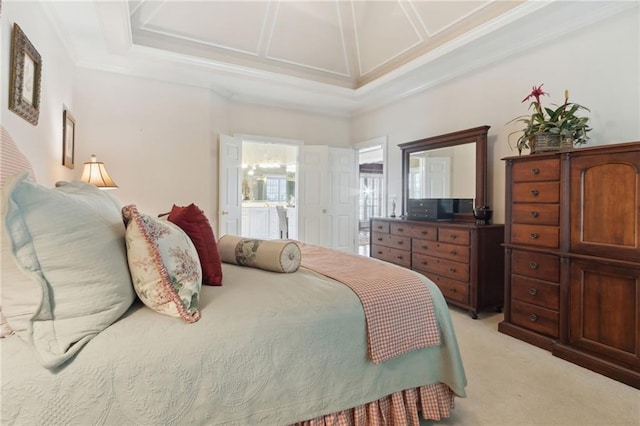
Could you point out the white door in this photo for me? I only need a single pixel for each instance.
(230, 192)
(313, 195)
(342, 211)
(328, 197)
(437, 172)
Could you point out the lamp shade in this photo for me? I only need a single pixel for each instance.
(96, 174)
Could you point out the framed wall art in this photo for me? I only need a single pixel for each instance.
(68, 139)
(26, 74)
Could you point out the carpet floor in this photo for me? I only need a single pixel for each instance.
(513, 383)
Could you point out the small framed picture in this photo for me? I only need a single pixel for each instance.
(68, 139)
(26, 74)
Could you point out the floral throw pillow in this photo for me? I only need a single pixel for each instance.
(164, 265)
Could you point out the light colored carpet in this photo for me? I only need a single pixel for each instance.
(513, 383)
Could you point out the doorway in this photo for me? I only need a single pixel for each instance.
(269, 189)
(372, 194)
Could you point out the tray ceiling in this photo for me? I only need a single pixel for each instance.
(333, 56)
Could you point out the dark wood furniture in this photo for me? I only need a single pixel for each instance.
(465, 260)
(572, 259)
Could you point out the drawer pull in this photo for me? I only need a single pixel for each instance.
(424, 247)
(534, 214)
(379, 238)
(400, 229)
(533, 265)
(533, 318)
(533, 291)
(534, 192)
(400, 243)
(379, 252)
(424, 263)
(380, 227)
(399, 257)
(535, 171)
(453, 252)
(452, 290)
(533, 235)
(424, 232)
(453, 236)
(452, 269)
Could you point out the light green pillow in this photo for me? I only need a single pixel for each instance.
(70, 242)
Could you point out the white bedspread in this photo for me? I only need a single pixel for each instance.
(270, 349)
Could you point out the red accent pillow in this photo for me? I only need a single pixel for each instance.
(195, 224)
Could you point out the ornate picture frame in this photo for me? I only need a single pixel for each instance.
(68, 139)
(26, 74)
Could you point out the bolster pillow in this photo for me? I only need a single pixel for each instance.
(270, 255)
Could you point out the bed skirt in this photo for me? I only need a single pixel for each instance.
(402, 408)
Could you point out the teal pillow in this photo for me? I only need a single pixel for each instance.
(70, 242)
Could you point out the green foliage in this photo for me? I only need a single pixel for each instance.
(563, 121)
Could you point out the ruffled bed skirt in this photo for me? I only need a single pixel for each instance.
(398, 409)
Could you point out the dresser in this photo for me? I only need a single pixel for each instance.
(572, 256)
(465, 260)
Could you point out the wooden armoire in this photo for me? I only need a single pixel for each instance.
(572, 258)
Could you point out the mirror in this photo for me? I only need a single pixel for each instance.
(452, 165)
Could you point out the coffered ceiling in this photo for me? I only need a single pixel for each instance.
(334, 56)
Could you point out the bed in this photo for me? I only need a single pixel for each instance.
(267, 348)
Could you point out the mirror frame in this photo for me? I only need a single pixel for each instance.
(475, 134)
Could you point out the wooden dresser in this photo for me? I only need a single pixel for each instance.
(572, 260)
(465, 260)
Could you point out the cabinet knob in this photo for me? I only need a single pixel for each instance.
(535, 171)
(533, 235)
(534, 192)
(533, 265)
(533, 291)
(533, 318)
(534, 214)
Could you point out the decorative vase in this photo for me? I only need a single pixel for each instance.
(545, 142)
(482, 215)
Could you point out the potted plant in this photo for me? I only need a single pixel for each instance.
(551, 129)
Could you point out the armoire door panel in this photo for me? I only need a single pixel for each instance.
(604, 310)
(605, 205)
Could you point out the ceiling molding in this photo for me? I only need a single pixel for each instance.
(115, 46)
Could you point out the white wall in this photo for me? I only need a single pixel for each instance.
(155, 138)
(41, 143)
(600, 66)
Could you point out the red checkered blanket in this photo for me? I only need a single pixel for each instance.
(397, 306)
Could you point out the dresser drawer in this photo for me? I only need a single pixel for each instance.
(536, 192)
(380, 226)
(401, 229)
(454, 236)
(448, 268)
(443, 250)
(538, 170)
(424, 232)
(399, 257)
(536, 214)
(451, 289)
(393, 241)
(536, 265)
(536, 235)
(535, 318)
(540, 293)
